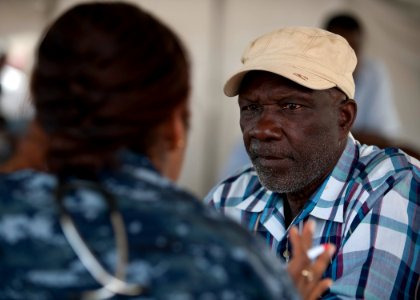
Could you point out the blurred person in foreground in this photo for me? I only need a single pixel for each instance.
(111, 86)
(295, 93)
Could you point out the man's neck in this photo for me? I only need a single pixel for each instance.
(291, 209)
(294, 202)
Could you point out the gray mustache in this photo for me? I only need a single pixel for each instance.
(257, 148)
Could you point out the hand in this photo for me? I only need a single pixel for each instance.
(306, 274)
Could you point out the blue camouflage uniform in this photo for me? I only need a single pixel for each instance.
(177, 248)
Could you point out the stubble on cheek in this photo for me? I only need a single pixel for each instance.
(305, 167)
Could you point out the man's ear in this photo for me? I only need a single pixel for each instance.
(347, 115)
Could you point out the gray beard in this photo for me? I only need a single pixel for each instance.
(306, 170)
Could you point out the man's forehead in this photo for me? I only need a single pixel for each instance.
(257, 81)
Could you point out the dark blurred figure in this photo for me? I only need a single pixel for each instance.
(377, 122)
(111, 86)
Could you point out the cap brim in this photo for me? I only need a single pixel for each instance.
(294, 73)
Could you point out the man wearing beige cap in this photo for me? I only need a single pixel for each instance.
(296, 103)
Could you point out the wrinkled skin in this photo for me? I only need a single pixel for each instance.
(293, 135)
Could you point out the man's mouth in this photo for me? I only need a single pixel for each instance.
(268, 152)
(271, 157)
(271, 160)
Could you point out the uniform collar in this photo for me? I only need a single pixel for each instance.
(140, 167)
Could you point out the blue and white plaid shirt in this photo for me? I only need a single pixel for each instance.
(368, 207)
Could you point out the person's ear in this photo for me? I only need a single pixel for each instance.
(175, 136)
(347, 115)
(176, 131)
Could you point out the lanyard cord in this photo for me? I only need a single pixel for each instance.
(111, 284)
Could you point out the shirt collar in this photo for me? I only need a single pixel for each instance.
(326, 203)
(256, 202)
(330, 202)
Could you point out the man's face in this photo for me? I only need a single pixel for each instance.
(291, 133)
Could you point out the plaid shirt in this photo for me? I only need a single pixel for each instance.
(368, 207)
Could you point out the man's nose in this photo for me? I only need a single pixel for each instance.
(268, 127)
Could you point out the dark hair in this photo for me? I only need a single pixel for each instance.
(343, 21)
(106, 75)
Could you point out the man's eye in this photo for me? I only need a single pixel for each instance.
(292, 106)
(250, 107)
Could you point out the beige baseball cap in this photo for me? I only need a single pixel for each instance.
(312, 57)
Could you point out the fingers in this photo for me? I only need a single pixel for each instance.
(313, 286)
(322, 262)
(300, 259)
(296, 241)
(307, 232)
(307, 274)
(303, 241)
(319, 289)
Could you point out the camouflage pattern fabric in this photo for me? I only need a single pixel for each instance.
(178, 249)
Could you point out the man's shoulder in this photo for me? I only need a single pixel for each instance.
(234, 189)
(380, 162)
(384, 170)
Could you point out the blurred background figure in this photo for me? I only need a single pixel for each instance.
(377, 122)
